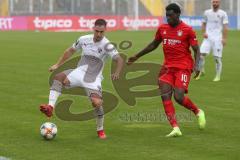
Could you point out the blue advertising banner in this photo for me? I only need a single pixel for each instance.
(196, 21)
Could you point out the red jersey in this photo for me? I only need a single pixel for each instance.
(176, 43)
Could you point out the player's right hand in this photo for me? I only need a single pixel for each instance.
(131, 60)
(53, 67)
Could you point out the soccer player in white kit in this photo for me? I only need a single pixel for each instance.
(88, 74)
(214, 28)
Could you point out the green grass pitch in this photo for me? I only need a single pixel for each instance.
(24, 61)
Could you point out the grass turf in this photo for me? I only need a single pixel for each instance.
(24, 61)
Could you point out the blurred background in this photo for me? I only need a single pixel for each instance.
(31, 40)
(107, 7)
(137, 9)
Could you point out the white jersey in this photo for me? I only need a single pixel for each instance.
(94, 55)
(214, 22)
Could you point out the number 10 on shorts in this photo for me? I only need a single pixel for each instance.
(184, 78)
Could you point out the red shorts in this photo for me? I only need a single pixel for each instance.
(177, 78)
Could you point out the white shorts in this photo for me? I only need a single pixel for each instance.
(76, 78)
(215, 46)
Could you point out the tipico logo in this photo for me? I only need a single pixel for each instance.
(52, 23)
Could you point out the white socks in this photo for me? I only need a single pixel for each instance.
(99, 117)
(218, 61)
(202, 63)
(218, 66)
(55, 92)
(53, 96)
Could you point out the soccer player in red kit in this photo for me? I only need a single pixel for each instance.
(176, 38)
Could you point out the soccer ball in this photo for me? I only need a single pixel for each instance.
(48, 130)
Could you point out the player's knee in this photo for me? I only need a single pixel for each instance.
(165, 90)
(179, 98)
(66, 82)
(218, 60)
(59, 77)
(166, 97)
(96, 101)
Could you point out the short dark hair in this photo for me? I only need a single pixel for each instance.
(174, 7)
(100, 22)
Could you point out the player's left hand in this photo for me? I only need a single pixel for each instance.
(224, 42)
(115, 76)
(53, 67)
(196, 74)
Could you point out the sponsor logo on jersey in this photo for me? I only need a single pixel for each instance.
(171, 41)
(179, 33)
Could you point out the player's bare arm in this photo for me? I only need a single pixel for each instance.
(66, 55)
(197, 54)
(150, 47)
(204, 30)
(225, 29)
(119, 67)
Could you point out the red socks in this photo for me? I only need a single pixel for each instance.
(170, 112)
(187, 103)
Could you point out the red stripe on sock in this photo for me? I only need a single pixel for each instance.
(170, 112)
(187, 103)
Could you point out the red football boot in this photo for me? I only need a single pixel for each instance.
(47, 110)
(101, 134)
